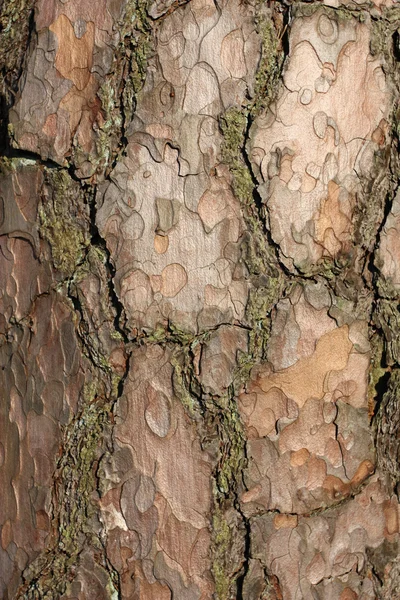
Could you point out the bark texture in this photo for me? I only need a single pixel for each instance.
(199, 301)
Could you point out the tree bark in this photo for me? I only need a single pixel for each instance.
(200, 242)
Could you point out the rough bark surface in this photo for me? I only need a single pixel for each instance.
(199, 302)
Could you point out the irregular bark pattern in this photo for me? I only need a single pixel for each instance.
(199, 231)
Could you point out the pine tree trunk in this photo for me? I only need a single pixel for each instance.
(200, 260)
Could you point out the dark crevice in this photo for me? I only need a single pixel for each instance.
(172, 8)
(99, 241)
(118, 323)
(370, 259)
(45, 568)
(238, 573)
(246, 554)
(384, 420)
(259, 205)
(131, 67)
(170, 337)
(396, 45)
(381, 388)
(10, 78)
(33, 156)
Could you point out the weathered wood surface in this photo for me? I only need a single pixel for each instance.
(200, 258)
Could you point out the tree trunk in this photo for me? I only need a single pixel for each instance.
(200, 242)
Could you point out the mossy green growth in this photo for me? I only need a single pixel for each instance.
(181, 376)
(186, 338)
(111, 126)
(170, 333)
(227, 476)
(258, 314)
(107, 95)
(233, 126)
(340, 13)
(11, 165)
(219, 416)
(63, 221)
(77, 477)
(387, 319)
(258, 254)
(260, 260)
(136, 43)
(382, 30)
(7, 165)
(75, 482)
(270, 66)
(371, 207)
(95, 259)
(378, 42)
(269, 282)
(386, 286)
(222, 542)
(262, 298)
(117, 336)
(14, 35)
(80, 450)
(232, 442)
(118, 91)
(130, 70)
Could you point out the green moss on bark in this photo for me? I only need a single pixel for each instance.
(270, 66)
(14, 35)
(63, 221)
(268, 284)
(75, 513)
(222, 544)
(119, 91)
(387, 424)
(227, 521)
